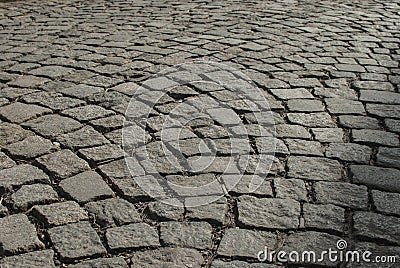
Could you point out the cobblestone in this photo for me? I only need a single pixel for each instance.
(69, 69)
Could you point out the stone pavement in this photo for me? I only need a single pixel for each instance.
(329, 69)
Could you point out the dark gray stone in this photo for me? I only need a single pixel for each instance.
(349, 152)
(388, 157)
(386, 179)
(51, 126)
(18, 112)
(314, 168)
(186, 234)
(368, 136)
(324, 217)
(59, 213)
(115, 262)
(31, 147)
(42, 258)
(167, 257)
(386, 202)
(21, 174)
(29, 195)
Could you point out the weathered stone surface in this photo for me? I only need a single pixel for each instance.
(373, 85)
(213, 212)
(324, 217)
(375, 137)
(63, 164)
(304, 105)
(379, 96)
(314, 168)
(312, 119)
(51, 126)
(108, 123)
(268, 212)
(242, 187)
(292, 131)
(18, 112)
(328, 134)
(86, 186)
(240, 264)
(135, 235)
(384, 110)
(42, 258)
(377, 250)
(59, 213)
(349, 152)
(112, 212)
(343, 106)
(31, 147)
(310, 240)
(52, 100)
(388, 157)
(28, 81)
(29, 195)
(5, 161)
(10, 133)
(186, 234)
(386, 202)
(393, 125)
(303, 147)
(84, 137)
(21, 174)
(290, 188)
(87, 113)
(115, 262)
(286, 93)
(76, 241)
(386, 179)
(245, 243)
(18, 235)
(101, 153)
(341, 194)
(377, 226)
(358, 121)
(167, 257)
(51, 71)
(161, 211)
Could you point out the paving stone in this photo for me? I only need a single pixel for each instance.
(393, 125)
(167, 257)
(343, 106)
(21, 174)
(376, 177)
(355, 121)
(18, 112)
(376, 226)
(312, 119)
(51, 126)
(29, 195)
(52, 100)
(51, 71)
(28, 81)
(386, 202)
(213, 212)
(31, 147)
(379, 96)
(292, 131)
(85, 187)
(10, 133)
(42, 258)
(368, 136)
(268, 213)
(349, 152)
(112, 212)
(76, 241)
(59, 213)
(84, 137)
(295, 93)
(108, 123)
(314, 168)
(341, 194)
(4, 101)
(133, 235)
(350, 68)
(304, 105)
(388, 157)
(5, 161)
(245, 243)
(161, 211)
(305, 82)
(290, 188)
(80, 90)
(18, 235)
(87, 113)
(324, 217)
(373, 85)
(115, 262)
(328, 134)
(303, 147)
(101, 153)
(311, 241)
(63, 164)
(242, 187)
(117, 169)
(383, 110)
(186, 234)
